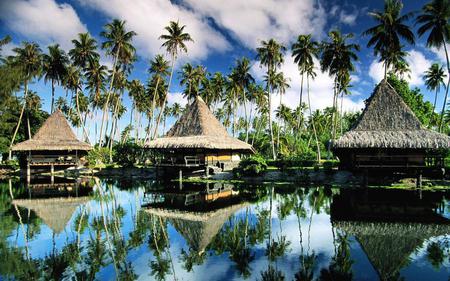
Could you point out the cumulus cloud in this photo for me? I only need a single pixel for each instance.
(321, 88)
(44, 21)
(148, 19)
(251, 21)
(348, 18)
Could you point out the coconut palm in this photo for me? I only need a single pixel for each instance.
(33, 104)
(4, 41)
(434, 20)
(270, 54)
(118, 45)
(174, 42)
(434, 79)
(136, 91)
(159, 68)
(390, 28)
(28, 58)
(280, 84)
(54, 67)
(187, 75)
(311, 74)
(218, 86)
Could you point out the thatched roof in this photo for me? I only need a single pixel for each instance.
(55, 134)
(388, 246)
(197, 228)
(387, 122)
(198, 128)
(55, 212)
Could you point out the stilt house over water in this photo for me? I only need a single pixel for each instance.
(389, 136)
(54, 146)
(198, 139)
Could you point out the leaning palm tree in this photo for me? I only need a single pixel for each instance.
(118, 45)
(54, 67)
(434, 20)
(434, 79)
(311, 74)
(29, 59)
(174, 42)
(270, 54)
(385, 36)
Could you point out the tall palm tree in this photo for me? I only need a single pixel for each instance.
(337, 58)
(33, 104)
(174, 42)
(83, 54)
(55, 67)
(4, 41)
(304, 50)
(136, 91)
(311, 74)
(280, 84)
(118, 45)
(434, 20)
(187, 74)
(244, 79)
(218, 86)
(159, 68)
(270, 54)
(385, 36)
(434, 79)
(28, 58)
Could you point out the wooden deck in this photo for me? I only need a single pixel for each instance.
(397, 161)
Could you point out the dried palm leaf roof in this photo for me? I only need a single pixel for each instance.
(55, 134)
(55, 212)
(388, 246)
(387, 122)
(198, 128)
(197, 228)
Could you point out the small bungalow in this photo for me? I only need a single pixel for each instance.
(53, 146)
(199, 140)
(389, 136)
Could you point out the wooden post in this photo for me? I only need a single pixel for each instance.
(366, 178)
(181, 175)
(28, 173)
(52, 173)
(419, 180)
(207, 171)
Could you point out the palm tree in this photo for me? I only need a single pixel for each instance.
(280, 84)
(29, 59)
(118, 45)
(4, 41)
(434, 78)
(385, 36)
(270, 54)
(54, 67)
(187, 74)
(33, 104)
(174, 42)
(311, 74)
(304, 50)
(435, 21)
(337, 58)
(136, 91)
(218, 85)
(244, 79)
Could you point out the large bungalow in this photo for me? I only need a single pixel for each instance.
(199, 140)
(389, 136)
(54, 146)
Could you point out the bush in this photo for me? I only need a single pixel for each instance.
(129, 154)
(13, 164)
(329, 165)
(305, 160)
(98, 156)
(252, 166)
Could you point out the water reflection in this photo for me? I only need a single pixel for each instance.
(92, 229)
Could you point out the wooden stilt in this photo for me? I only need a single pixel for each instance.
(52, 173)
(366, 178)
(207, 171)
(419, 180)
(28, 173)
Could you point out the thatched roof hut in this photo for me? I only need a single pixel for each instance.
(387, 122)
(55, 212)
(54, 135)
(198, 128)
(388, 246)
(197, 228)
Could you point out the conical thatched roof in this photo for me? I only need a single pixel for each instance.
(55, 134)
(387, 122)
(388, 246)
(198, 128)
(55, 212)
(197, 228)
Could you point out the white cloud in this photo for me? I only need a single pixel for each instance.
(254, 20)
(348, 18)
(321, 88)
(440, 54)
(148, 19)
(176, 98)
(44, 21)
(376, 71)
(7, 50)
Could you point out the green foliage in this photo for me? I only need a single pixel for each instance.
(98, 156)
(129, 154)
(330, 164)
(252, 166)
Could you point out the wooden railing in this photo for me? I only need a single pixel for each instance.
(53, 159)
(187, 161)
(398, 161)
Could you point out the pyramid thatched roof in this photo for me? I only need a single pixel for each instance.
(55, 134)
(198, 128)
(387, 122)
(388, 246)
(55, 212)
(197, 228)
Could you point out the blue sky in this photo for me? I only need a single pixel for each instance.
(223, 31)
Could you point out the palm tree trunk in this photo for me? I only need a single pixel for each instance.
(105, 107)
(435, 100)
(28, 126)
(279, 125)
(53, 95)
(20, 118)
(341, 113)
(301, 101)
(113, 128)
(274, 156)
(165, 98)
(446, 88)
(249, 122)
(154, 102)
(312, 121)
(86, 135)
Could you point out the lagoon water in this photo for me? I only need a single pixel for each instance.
(119, 229)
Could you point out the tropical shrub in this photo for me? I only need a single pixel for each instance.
(252, 166)
(130, 153)
(98, 156)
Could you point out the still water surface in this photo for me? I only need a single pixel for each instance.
(97, 229)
